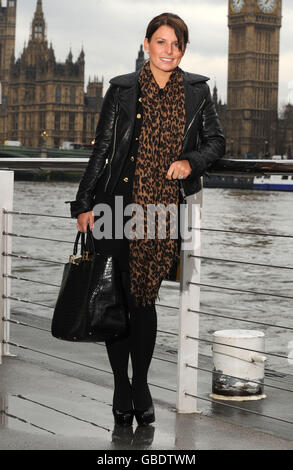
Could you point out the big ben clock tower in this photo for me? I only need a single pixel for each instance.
(253, 76)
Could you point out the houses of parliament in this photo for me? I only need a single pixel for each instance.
(41, 97)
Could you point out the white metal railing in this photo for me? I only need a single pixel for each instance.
(189, 294)
(6, 203)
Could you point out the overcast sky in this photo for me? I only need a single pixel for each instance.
(111, 32)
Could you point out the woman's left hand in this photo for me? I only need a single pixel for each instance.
(179, 168)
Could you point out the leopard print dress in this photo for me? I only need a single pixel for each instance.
(160, 144)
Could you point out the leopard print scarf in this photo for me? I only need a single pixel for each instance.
(160, 143)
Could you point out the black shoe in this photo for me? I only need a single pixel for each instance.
(123, 418)
(145, 417)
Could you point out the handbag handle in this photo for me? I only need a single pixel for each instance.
(75, 248)
(90, 244)
(85, 249)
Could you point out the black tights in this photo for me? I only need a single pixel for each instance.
(140, 345)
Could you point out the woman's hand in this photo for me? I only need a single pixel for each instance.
(180, 167)
(83, 220)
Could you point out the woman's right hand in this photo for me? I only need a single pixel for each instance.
(83, 220)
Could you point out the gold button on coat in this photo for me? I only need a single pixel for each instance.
(132, 159)
(125, 179)
(138, 116)
(140, 100)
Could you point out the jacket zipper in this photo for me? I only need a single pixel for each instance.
(113, 152)
(197, 111)
(105, 164)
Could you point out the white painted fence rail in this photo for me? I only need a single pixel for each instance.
(189, 299)
(6, 203)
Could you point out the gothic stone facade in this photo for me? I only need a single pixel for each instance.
(43, 101)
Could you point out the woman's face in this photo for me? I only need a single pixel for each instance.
(163, 49)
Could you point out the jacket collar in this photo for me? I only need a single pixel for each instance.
(129, 91)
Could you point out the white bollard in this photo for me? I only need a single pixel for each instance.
(246, 367)
(6, 203)
(189, 299)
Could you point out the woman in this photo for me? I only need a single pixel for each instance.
(158, 132)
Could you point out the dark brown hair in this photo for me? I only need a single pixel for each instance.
(175, 22)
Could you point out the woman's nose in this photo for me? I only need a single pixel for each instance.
(169, 49)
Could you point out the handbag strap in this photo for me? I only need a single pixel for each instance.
(75, 248)
(90, 243)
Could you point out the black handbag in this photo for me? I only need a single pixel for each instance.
(91, 302)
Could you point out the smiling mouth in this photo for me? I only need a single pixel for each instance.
(165, 59)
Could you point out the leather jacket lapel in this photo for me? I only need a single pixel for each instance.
(127, 98)
(128, 92)
(192, 100)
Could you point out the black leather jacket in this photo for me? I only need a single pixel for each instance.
(203, 144)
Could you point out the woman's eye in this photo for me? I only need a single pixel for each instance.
(176, 44)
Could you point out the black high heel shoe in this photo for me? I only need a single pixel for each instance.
(123, 418)
(145, 417)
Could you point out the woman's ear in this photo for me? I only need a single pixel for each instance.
(146, 44)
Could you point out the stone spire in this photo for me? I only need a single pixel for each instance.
(38, 24)
(69, 57)
(215, 94)
(39, 9)
(81, 55)
(140, 58)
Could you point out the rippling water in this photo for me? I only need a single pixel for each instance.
(228, 209)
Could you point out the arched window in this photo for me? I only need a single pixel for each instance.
(72, 95)
(58, 94)
(57, 121)
(71, 121)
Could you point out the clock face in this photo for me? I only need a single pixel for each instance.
(237, 5)
(267, 6)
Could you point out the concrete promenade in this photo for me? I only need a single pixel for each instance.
(52, 403)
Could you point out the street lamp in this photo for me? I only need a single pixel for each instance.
(44, 136)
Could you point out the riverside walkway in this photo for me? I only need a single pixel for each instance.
(58, 395)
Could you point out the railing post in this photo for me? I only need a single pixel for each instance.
(6, 204)
(189, 299)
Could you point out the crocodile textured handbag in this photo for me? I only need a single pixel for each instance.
(91, 303)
